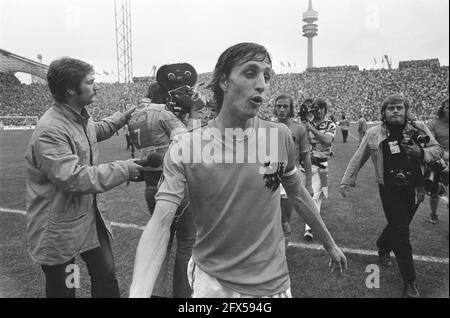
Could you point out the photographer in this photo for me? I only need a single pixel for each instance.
(321, 135)
(439, 129)
(399, 165)
(157, 120)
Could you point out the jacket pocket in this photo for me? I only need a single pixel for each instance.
(65, 239)
(66, 207)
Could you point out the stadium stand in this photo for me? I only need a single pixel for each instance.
(346, 88)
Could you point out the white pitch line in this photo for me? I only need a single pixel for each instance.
(347, 250)
(116, 224)
(13, 211)
(357, 139)
(430, 259)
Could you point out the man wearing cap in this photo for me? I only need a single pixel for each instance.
(153, 126)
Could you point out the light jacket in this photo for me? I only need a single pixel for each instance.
(63, 178)
(371, 147)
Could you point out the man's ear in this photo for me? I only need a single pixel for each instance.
(70, 91)
(223, 83)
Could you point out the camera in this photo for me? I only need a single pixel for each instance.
(400, 177)
(434, 177)
(439, 165)
(179, 82)
(303, 113)
(416, 137)
(306, 112)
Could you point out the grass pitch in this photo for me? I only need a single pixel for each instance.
(354, 222)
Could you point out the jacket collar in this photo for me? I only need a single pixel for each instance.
(383, 134)
(72, 113)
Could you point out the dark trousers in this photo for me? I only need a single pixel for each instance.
(399, 208)
(344, 135)
(101, 268)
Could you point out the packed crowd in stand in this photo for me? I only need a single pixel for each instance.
(346, 89)
(431, 63)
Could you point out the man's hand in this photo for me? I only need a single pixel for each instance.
(128, 112)
(412, 150)
(420, 194)
(344, 190)
(338, 261)
(309, 126)
(135, 171)
(199, 101)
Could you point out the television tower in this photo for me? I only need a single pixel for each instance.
(310, 30)
(122, 11)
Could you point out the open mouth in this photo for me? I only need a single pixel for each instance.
(257, 100)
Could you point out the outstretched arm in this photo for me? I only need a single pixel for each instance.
(152, 249)
(306, 208)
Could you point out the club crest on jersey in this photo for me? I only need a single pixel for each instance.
(272, 173)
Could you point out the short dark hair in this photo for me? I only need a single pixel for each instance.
(66, 73)
(308, 101)
(291, 104)
(393, 99)
(440, 111)
(156, 93)
(234, 55)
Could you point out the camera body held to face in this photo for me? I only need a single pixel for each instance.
(179, 81)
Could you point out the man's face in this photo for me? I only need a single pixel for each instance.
(320, 113)
(87, 91)
(396, 114)
(245, 87)
(282, 109)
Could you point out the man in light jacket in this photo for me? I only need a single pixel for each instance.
(65, 217)
(399, 156)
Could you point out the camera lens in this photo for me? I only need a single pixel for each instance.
(400, 179)
(423, 139)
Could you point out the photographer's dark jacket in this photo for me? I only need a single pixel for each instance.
(371, 146)
(63, 180)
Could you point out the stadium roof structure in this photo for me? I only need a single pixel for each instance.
(12, 63)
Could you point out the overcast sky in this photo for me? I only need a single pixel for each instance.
(197, 31)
